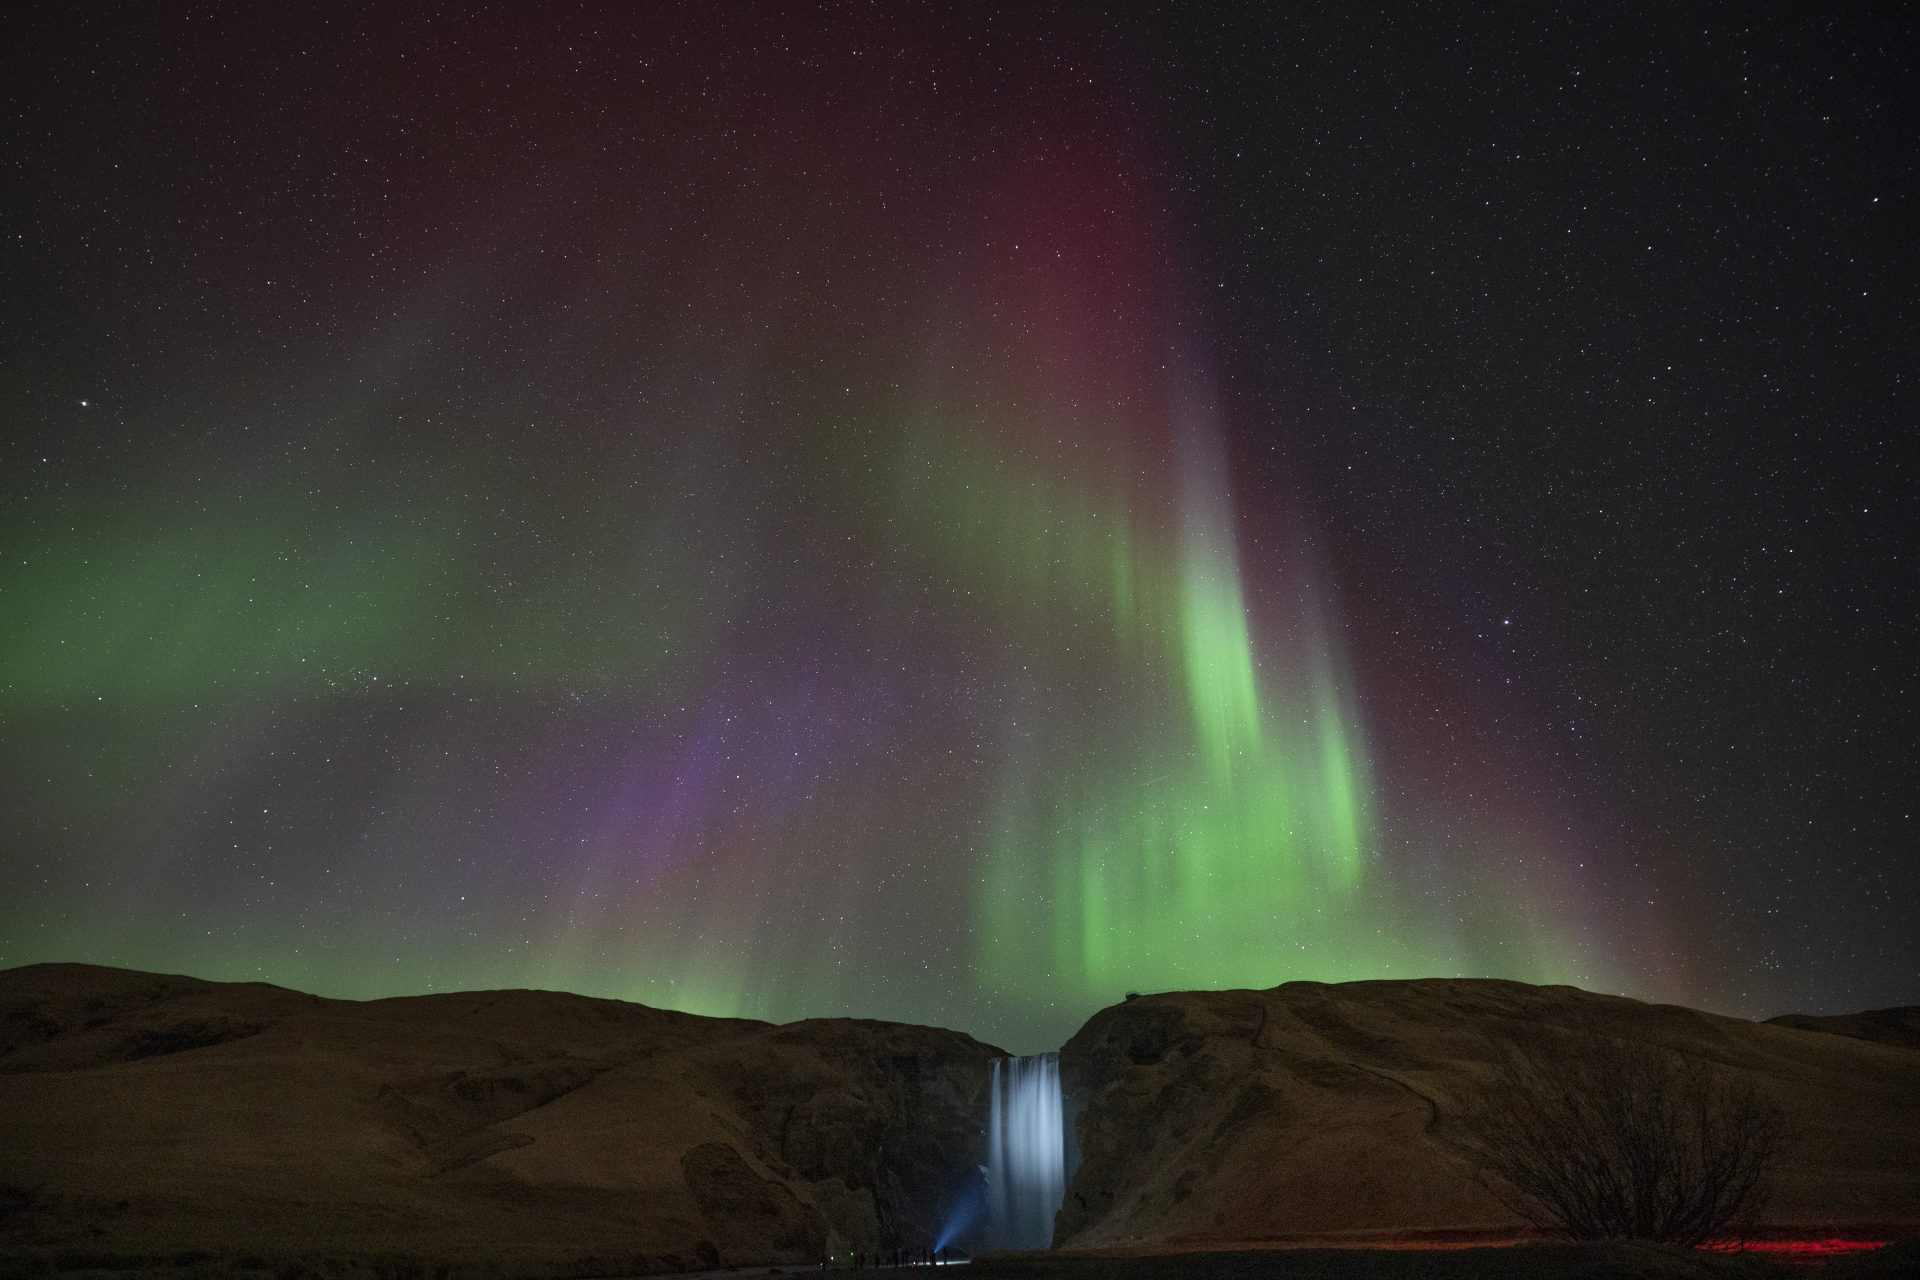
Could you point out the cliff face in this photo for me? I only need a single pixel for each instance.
(1318, 1111)
(145, 1116)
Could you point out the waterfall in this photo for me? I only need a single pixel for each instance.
(1026, 1152)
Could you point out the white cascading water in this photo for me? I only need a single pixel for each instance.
(1026, 1152)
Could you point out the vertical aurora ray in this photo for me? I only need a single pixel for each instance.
(1222, 690)
(1171, 809)
(1184, 796)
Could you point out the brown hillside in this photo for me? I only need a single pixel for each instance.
(1899, 1026)
(149, 1116)
(1344, 1110)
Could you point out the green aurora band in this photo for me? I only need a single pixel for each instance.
(1210, 811)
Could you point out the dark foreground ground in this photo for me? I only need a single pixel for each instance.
(1615, 1260)
(1619, 1260)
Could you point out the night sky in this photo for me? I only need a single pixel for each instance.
(958, 514)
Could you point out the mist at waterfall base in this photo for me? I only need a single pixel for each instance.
(1025, 1177)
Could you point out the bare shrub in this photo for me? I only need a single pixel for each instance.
(1595, 1137)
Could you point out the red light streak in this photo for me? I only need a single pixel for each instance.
(1796, 1248)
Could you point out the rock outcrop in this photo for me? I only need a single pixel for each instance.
(1323, 1112)
(146, 1116)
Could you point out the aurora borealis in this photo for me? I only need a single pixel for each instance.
(956, 515)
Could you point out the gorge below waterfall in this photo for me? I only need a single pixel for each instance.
(1026, 1152)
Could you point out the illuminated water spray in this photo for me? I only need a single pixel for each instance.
(1026, 1152)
